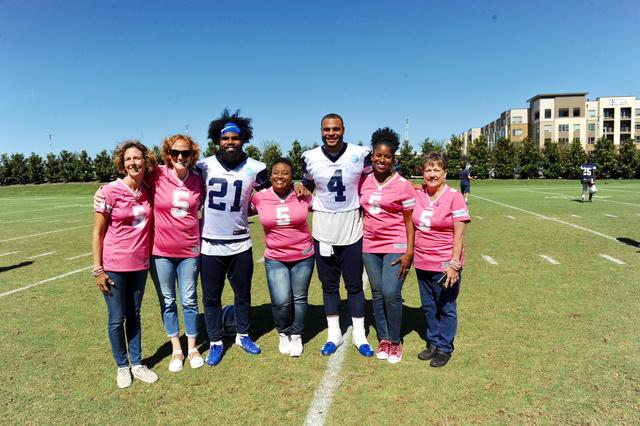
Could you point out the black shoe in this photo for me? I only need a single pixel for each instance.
(427, 354)
(440, 359)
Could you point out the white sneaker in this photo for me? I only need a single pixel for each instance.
(295, 345)
(177, 358)
(123, 377)
(284, 344)
(195, 359)
(141, 372)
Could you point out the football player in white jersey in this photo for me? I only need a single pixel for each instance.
(335, 170)
(230, 177)
(588, 180)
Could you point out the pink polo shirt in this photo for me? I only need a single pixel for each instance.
(126, 245)
(383, 205)
(434, 228)
(286, 233)
(176, 231)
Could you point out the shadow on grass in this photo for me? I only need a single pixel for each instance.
(629, 242)
(16, 266)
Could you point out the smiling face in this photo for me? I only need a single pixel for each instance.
(332, 133)
(434, 176)
(134, 163)
(382, 159)
(231, 146)
(281, 178)
(180, 154)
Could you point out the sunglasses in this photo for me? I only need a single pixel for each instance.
(176, 152)
(229, 138)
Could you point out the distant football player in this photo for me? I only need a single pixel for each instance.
(465, 181)
(230, 177)
(588, 179)
(335, 170)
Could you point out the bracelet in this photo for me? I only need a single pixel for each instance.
(455, 264)
(98, 272)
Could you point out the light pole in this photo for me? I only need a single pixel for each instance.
(186, 127)
(51, 135)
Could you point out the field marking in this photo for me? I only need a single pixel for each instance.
(489, 259)
(549, 259)
(319, 409)
(37, 219)
(54, 221)
(7, 254)
(50, 208)
(541, 216)
(43, 233)
(619, 190)
(511, 217)
(610, 215)
(478, 217)
(612, 259)
(80, 255)
(41, 255)
(261, 260)
(7, 293)
(365, 279)
(573, 197)
(575, 215)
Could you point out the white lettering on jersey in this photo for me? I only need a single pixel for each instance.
(139, 218)
(180, 204)
(374, 202)
(283, 217)
(425, 220)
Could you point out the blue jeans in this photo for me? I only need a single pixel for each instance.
(164, 271)
(386, 292)
(289, 283)
(123, 307)
(440, 309)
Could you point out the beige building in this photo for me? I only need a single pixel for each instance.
(468, 136)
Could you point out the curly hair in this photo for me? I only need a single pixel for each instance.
(438, 158)
(385, 136)
(193, 147)
(118, 155)
(244, 123)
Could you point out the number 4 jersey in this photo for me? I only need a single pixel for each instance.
(227, 196)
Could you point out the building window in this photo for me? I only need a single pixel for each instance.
(547, 128)
(637, 112)
(563, 112)
(547, 113)
(592, 127)
(609, 113)
(563, 140)
(576, 127)
(592, 140)
(547, 140)
(517, 132)
(576, 139)
(637, 139)
(563, 127)
(592, 113)
(576, 112)
(637, 126)
(536, 115)
(516, 119)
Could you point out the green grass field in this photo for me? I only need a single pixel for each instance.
(538, 342)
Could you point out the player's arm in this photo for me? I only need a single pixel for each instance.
(307, 186)
(452, 270)
(99, 230)
(262, 180)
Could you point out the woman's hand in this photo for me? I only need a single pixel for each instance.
(452, 277)
(405, 262)
(103, 282)
(301, 190)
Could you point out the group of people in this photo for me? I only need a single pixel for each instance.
(365, 216)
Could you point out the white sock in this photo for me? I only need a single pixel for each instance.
(333, 332)
(217, 342)
(358, 333)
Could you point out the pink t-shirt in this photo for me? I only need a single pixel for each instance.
(176, 230)
(384, 229)
(286, 233)
(434, 228)
(126, 245)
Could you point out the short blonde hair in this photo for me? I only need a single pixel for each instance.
(149, 156)
(193, 147)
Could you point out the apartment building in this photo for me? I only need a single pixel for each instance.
(468, 136)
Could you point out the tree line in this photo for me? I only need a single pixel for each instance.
(504, 161)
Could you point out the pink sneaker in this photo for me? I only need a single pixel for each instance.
(395, 353)
(383, 349)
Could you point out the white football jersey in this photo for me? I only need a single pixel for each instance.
(336, 179)
(227, 196)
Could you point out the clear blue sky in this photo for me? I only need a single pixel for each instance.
(97, 72)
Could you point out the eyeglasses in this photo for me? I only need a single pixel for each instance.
(229, 138)
(176, 152)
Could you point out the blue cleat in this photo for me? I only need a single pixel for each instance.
(215, 355)
(248, 345)
(365, 350)
(329, 348)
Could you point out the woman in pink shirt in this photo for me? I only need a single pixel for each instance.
(387, 200)
(288, 257)
(121, 249)
(440, 218)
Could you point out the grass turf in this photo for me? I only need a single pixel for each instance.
(537, 343)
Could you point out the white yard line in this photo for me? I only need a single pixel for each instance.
(575, 215)
(365, 279)
(43, 233)
(7, 293)
(54, 221)
(261, 260)
(489, 259)
(511, 217)
(79, 256)
(41, 255)
(541, 216)
(7, 254)
(612, 259)
(319, 409)
(478, 217)
(610, 215)
(549, 259)
(67, 206)
(573, 197)
(36, 219)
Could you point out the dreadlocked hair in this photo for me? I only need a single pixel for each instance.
(216, 126)
(385, 136)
